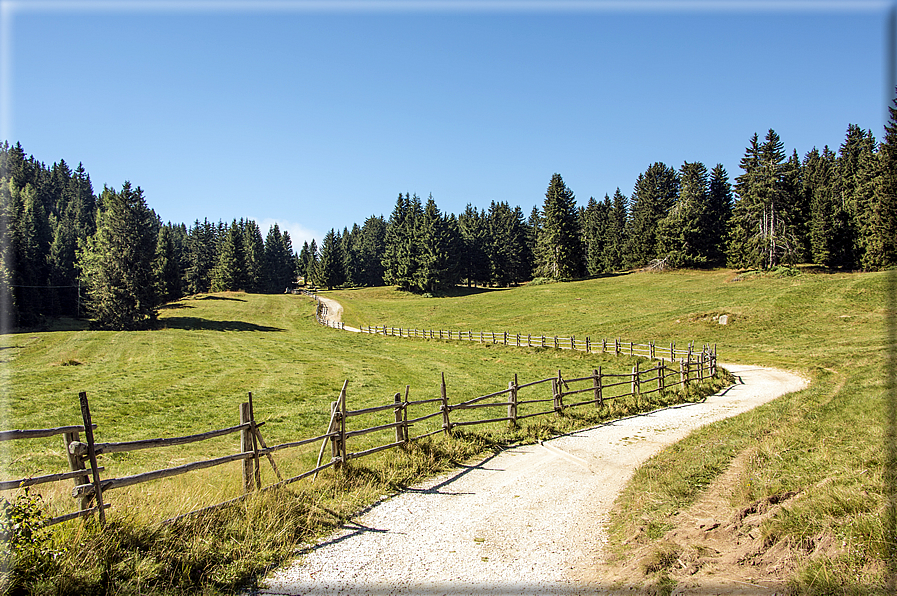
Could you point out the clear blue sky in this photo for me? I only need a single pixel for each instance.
(319, 117)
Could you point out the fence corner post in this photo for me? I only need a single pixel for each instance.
(246, 446)
(92, 454)
(397, 410)
(342, 423)
(76, 464)
(446, 424)
(512, 402)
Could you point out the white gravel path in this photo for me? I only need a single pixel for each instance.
(530, 520)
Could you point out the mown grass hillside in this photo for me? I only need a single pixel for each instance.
(825, 443)
(189, 376)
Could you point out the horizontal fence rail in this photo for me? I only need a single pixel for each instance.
(604, 346)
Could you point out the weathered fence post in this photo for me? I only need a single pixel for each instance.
(596, 382)
(246, 446)
(660, 374)
(558, 393)
(555, 342)
(92, 454)
(512, 402)
(446, 424)
(616, 346)
(76, 464)
(543, 341)
(255, 444)
(572, 342)
(506, 337)
(636, 385)
(630, 349)
(405, 414)
(342, 422)
(603, 345)
(682, 375)
(588, 345)
(672, 352)
(397, 409)
(701, 367)
(334, 441)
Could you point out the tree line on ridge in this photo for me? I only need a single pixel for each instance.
(67, 251)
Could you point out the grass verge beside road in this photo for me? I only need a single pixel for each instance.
(825, 443)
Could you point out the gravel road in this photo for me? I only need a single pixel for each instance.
(530, 520)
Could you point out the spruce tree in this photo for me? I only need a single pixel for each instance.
(826, 230)
(652, 198)
(504, 244)
(560, 251)
(254, 261)
(371, 244)
(201, 256)
(880, 226)
(401, 257)
(596, 219)
(116, 263)
(165, 267)
(228, 274)
(719, 211)
(474, 259)
(351, 240)
(683, 236)
(311, 265)
(765, 218)
(614, 241)
(330, 267)
(437, 262)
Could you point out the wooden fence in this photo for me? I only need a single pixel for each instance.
(603, 346)
(403, 416)
(599, 388)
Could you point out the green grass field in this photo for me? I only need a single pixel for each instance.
(191, 374)
(828, 442)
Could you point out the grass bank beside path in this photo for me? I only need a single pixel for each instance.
(825, 443)
(189, 376)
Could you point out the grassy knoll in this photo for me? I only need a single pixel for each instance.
(189, 376)
(824, 443)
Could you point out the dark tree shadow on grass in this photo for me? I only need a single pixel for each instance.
(198, 324)
(230, 298)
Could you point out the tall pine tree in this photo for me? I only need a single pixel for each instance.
(560, 254)
(116, 263)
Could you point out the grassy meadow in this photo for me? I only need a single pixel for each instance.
(189, 376)
(826, 442)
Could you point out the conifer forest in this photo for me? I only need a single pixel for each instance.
(68, 251)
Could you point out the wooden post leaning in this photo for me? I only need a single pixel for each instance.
(397, 410)
(76, 463)
(92, 454)
(661, 370)
(342, 423)
(246, 447)
(446, 424)
(257, 468)
(512, 402)
(333, 411)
